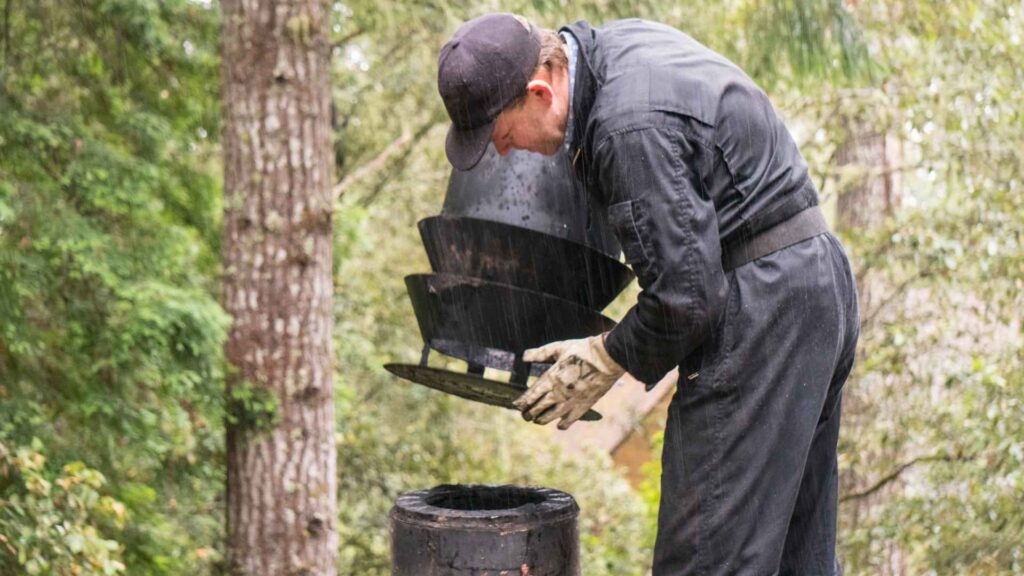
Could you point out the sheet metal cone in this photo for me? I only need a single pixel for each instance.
(523, 258)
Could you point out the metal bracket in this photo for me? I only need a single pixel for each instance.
(520, 372)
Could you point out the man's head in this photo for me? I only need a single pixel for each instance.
(504, 80)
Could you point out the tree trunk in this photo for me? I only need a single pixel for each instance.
(281, 484)
(869, 193)
(869, 189)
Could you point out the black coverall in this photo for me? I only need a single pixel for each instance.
(690, 158)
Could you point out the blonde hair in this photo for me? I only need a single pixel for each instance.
(552, 56)
(552, 51)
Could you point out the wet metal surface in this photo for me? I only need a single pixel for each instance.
(468, 386)
(530, 191)
(523, 258)
(472, 530)
(493, 315)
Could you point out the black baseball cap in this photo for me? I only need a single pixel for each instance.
(483, 67)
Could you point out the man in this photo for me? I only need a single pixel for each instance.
(743, 288)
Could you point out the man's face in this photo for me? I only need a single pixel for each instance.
(537, 125)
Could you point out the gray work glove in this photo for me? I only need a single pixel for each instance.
(581, 374)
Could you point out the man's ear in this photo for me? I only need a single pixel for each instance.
(541, 88)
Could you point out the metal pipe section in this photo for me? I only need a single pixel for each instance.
(474, 530)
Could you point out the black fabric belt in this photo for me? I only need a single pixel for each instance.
(803, 225)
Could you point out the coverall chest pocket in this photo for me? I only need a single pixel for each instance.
(628, 220)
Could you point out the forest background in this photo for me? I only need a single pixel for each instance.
(112, 406)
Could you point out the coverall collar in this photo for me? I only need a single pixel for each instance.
(585, 91)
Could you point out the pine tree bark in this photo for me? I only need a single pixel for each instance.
(281, 484)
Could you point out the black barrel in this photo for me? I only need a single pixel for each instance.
(470, 530)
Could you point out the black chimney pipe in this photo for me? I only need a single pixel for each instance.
(471, 530)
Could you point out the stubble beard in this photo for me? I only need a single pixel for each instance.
(553, 143)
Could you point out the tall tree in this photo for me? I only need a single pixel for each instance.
(277, 286)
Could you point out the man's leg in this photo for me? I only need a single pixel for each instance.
(811, 538)
(740, 432)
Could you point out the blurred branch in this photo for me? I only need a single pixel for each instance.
(827, 175)
(895, 474)
(901, 288)
(870, 259)
(373, 165)
(341, 42)
(7, 31)
(401, 145)
(399, 164)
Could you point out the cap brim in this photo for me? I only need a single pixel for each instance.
(465, 148)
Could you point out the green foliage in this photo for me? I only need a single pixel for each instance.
(252, 408)
(110, 335)
(52, 521)
(935, 427)
(803, 42)
(650, 485)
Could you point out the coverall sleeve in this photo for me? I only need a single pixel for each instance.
(668, 230)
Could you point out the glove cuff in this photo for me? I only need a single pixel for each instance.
(600, 354)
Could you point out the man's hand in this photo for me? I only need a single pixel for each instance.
(581, 374)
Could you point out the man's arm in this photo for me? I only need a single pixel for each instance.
(668, 229)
